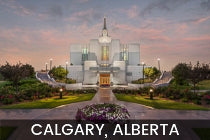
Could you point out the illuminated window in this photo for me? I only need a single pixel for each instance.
(125, 54)
(84, 54)
(105, 53)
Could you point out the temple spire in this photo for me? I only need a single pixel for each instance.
(104, 23)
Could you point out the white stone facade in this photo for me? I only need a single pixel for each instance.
(105, 56)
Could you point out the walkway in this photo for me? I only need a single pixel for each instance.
(136, 111)
(164, 80)
(104, 95)
(44, 77)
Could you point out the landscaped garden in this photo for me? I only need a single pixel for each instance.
(111, 113)
(59, 74)
(204, 85)
(168, 99)
(22, 90)
(51, 102)
(180, 94)
(150, 73)
(34, 94)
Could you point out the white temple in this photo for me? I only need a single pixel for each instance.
(105, 61)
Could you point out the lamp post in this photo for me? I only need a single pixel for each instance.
(66, 71)
(51, 63)
(158, 63)
(151, 94)
(143, 71)
(46, 66)
(61, 90)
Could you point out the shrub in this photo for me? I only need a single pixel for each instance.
(206, 97)
(171, 97)
(82, 91)
(7, 90)
(189, 95)
(197, 101)
(9, 99)
(20, 97)
(184, 100)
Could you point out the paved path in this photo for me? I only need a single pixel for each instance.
(136, 111)
(44, 77)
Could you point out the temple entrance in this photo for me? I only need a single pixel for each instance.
(105, 79)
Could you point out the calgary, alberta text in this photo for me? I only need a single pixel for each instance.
(97, 129)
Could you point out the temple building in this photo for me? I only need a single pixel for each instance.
(105, 61)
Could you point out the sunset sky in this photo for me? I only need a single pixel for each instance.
(173, 30)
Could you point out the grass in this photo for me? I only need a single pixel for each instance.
(181, 87)
(203, 133)
(140, 81)
(50, 102)
(159, 103)
(204, 85)
(5, 132)
(3, 83)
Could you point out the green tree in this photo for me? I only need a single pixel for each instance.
(15, 73)
(181, 73)
(198, 73)
(151, 72)
(1, 77)
(148, 72)
(59, 72)
(29, 69)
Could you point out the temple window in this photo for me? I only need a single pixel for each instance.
(105, 53)
(125, 54)
(84, 54)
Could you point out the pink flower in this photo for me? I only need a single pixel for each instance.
(2, 97)
(10, 96)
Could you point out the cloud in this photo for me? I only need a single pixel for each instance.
(133, 12)
(82, 1)
(206, 5)
(128, 32)
(85, 16)
(198, 38)
(197, 20)
(21, 10)
(166, 5)
(51, 11)
(56, 11)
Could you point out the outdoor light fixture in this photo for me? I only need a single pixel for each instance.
(61, 90)
(51, 63)
(151, 94)
(143, 71)
(46, 66)
(151, 90)
(66, 70)
(158, 63)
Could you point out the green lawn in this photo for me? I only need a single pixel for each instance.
(203, 133)
(204, 85)
(5, 132)
(50, 102)
(159, 103)
(140, 81)
(3, 83)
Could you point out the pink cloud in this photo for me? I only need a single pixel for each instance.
(201, 20)
(133, 12)
(21, 10)
(198, 38)
(129, 32)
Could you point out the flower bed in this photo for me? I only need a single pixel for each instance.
(103, 113)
